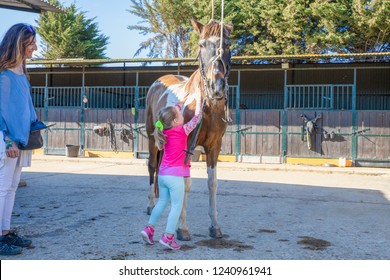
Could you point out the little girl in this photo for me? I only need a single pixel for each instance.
(171, 135)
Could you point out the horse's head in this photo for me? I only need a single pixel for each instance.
(214, 57)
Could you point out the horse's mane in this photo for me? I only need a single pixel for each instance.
(213, 28)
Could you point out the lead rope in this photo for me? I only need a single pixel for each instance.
(219, 57)
(228, 118)
(195, 136)
(220, 49)
(212, 10)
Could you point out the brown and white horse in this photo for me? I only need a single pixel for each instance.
(210, 80)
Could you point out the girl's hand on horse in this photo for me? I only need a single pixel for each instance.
(179, 105)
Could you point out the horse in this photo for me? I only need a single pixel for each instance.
(210, 80)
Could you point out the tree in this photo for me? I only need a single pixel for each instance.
(169, 23)
(70, 35)
(267, 27)
(355, 26)
(273, 27)
(249, 30)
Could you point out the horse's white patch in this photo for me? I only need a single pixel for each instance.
(191, 98)
(177, 93)
(174, 94)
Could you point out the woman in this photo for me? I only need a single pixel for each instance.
(16, 115)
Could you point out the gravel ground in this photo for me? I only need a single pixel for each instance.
(89, 208)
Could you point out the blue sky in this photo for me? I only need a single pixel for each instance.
(111, 17)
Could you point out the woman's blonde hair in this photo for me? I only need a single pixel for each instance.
(14, 44)
(166, 116)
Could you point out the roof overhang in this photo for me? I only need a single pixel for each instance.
(34, 6)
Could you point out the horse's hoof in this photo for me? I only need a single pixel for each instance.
(183, 235)
(149, 210)
(215, 232)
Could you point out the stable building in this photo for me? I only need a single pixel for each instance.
(298, 109)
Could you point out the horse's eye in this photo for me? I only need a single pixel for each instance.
(202, 43)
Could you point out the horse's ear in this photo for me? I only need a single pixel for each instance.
(229, 28)
(197, 26)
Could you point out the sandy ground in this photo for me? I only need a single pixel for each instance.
(89, 208)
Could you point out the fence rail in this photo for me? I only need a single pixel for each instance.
(97, 97)
(78, 111)
(327, 96)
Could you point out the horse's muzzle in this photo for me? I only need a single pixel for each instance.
(218, 88)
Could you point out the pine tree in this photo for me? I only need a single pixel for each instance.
(70, 35)
(267, 27)
(354, 26)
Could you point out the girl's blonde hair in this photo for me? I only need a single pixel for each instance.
(14, 44)
(166, 116)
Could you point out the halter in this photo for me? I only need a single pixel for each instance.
(206, 81)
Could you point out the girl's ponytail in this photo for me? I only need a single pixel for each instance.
(165, 119)
(159, 138)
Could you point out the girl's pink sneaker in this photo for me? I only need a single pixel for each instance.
(147, 235)
(169, 242)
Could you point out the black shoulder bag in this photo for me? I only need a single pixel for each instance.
(35, 140)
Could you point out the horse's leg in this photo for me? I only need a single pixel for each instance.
(212, 158)
(182, 231)
(152, 167)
